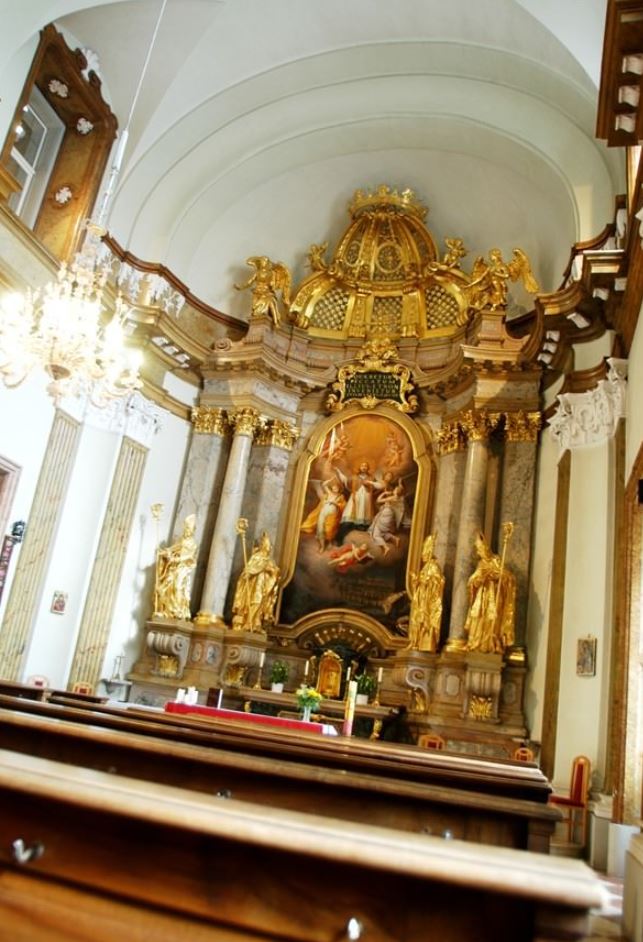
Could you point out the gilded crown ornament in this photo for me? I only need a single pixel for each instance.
(386, 277)
(387, 198)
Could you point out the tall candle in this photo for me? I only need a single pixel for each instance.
(348, 674)
(306, 668)
(349, 711)
(262, 658)
(380, 673)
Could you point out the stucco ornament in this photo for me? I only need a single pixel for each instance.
(591, 418)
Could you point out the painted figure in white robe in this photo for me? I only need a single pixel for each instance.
(359, 509)
(388, 519)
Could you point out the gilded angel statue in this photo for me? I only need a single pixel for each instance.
(488, 286)
(455, 250)
(267, 280)
(316, 257)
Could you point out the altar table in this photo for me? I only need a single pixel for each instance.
(259, 719)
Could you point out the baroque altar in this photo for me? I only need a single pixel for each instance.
(376, 432)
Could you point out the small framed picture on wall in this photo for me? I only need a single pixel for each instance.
(586, 656)
(59, 603)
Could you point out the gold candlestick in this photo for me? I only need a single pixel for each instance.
(257, 684)
(376, 698)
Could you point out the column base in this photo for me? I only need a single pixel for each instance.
(209, 620)
(455, 646)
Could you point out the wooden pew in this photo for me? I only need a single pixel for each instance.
(497, 777)
(355, 796)
(105, 857)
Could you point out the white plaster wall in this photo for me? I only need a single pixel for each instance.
(52, 643)
(634, 428)
(161, 479)
(27, 414)
(540, 582)
(587, 611)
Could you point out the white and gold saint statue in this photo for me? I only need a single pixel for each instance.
(174, 567)
(427, 587)
(255, 597)
(490, 621)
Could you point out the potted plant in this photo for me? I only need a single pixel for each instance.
(366, 685)
(278, 676)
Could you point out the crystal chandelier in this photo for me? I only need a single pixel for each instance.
(64, 327)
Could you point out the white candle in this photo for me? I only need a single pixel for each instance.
(220, 699)
(262, 658)
(306, 668)
(380, 673)
(348, 674)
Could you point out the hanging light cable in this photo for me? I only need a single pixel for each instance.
(63, 327)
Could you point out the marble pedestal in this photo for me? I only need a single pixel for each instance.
(414, 672)
(448, 693)
(177, 654)
(166, 649)
(242, 652)
(482, 684)
(495, 726)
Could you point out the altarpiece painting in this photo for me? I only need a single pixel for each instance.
(354, 531)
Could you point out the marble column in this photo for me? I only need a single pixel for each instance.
(108, 564)
(267, 478)
(450, 446)
(477, 426)
(202, 483)
(517, 504)
(217, 577)
(33, 562)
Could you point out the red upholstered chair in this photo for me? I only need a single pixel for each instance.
(577, 800)
(431, 741)
(524, 754)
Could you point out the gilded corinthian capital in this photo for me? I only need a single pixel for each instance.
(209, 420)
(522, 426)
(278, 433)
(450, 438)
(477, 426)
(245, 421)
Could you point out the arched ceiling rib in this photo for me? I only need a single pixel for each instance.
(487, 108)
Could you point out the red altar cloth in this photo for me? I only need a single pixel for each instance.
(241, 716)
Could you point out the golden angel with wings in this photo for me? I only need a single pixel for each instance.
(267, 280)
(488, 286)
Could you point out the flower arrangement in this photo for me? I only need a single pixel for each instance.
(308, 697)
(278, 672)
(366, 683)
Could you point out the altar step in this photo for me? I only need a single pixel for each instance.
(559, 848)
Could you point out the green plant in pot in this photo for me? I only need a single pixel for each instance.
(278, 675)
(366, 685)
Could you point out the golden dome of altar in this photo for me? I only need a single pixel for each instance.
(387, 243)
(384, 278)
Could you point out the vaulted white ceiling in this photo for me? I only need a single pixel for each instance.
(259, 118)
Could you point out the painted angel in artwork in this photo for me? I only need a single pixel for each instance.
(349, 555)
(268, 279)
(488, 286)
